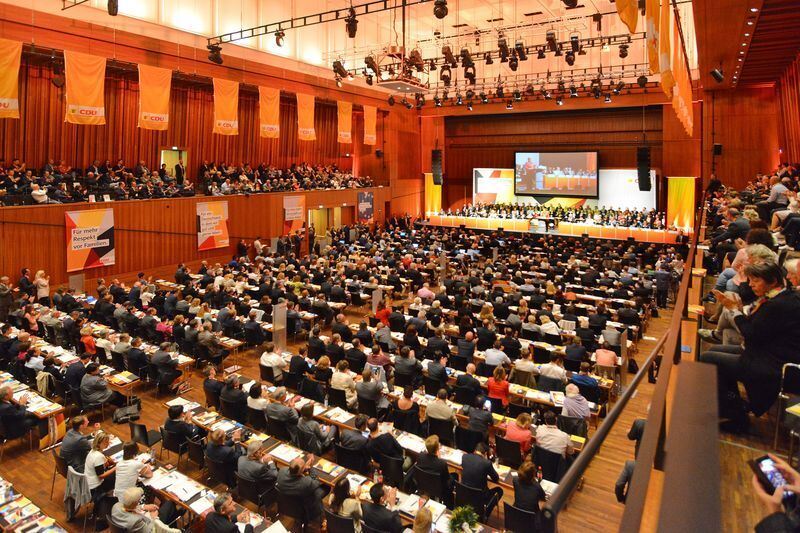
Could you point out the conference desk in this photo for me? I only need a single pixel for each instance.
(21, 515)
(50, 414)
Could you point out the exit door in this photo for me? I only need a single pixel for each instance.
(171, 157)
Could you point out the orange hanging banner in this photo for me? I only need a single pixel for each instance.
(628, 11)
(651, 18)
(269, 112)
(370, 118)
(664, 59)
(305, 117)
(10, 56)
(345, 122)
(154, 87)
(226, 107)
(85, 79)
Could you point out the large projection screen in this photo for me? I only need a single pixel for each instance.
(561, 174)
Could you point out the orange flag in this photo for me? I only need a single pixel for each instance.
(370, 118)
(651, 18)
(664, 61)
(226, 107)
(628, 11)
(154, 88)
(85, 78)
(305, 117)
(345, 110)
(269, 112)
(10, 56)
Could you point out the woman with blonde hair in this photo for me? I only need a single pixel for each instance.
(520, 431)
(423, 521)
(42, 284)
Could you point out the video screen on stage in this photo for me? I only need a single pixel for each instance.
(556, 174)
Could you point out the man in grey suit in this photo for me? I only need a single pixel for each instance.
(278, 411)
(384, 335)
(293, 483)
(354, 439)
(258, 466)
(94, 389)
(371, 389)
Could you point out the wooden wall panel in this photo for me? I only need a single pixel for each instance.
(152, 233)
(490, 141)
(404, 162)
(789, 112)
(681, 153)
(746, 124)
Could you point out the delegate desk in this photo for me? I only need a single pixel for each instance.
(50, 414)
(18, 513)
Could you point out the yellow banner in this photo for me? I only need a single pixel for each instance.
(651, 18)
(680, 202)
(10, 56)
(269, 112)
(664, 59)
(85, 78)
(226, 107)
(345, 122)
(628, 11)
(305, 117)
(370, 119)
(154, 87)
(682, 94)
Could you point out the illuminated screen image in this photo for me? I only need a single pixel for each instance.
(556, 174)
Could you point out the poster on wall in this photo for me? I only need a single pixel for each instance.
(366, 207)
(90, 239)
(293, 209)
(212, 225)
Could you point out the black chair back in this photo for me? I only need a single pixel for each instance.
(475, 498)
(293, 508)
(256, 419)
(337, 398)
(277, 429)
(353, 459)
(572, 365)
(546, 384)
(467, 439)
(117, 361)
(552, 463)
(212, 399)
(218, 472)
(113, 528)
(573, 425)
(195, 451)
(401, 380)
(392, 468)
(141, 435)
(518, 521)
(292, 381)
(231, 410)
(367, 407)
(465, 396)
(485, 370)
(443, 429)
(267, 373)
(366, 529)
(432, 386)
(508, 451)
(171, 442)
(497, 405)
(356, 365)
(308, 441)
(516, 409)
(428, 483)
(251, 491)
(552, 338)
(339, 524)
(458, 363)
(590, 392)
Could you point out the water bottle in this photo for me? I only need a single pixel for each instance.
(375, 475)
(153, 456)
(539, 474)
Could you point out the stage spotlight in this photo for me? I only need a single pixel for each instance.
(470, 94)
(581, 51)
(559, 51)
(619, 87)
(540, 53)
(415, 60)
(445, 75)
(484, 98)
(718, 75)
(440, 9)
(459, 100)
(113, 7)
(351, 23)
(545, 93)
(448, 56)
(551, 41)
(574, 42)
(608, 98)
(406, 103)
(561, 86)
(596, 91)
(509, 105)
(570, 4)
(469, 74)
(371, 64)
(502, 46)
(338, 81)
(432, 65)
(642, 81)
(517, 95)
(466, 58)
(391, 100)
(513, 64)
(573, 91)
(437, 101)
(215, 53)
(445, 95)
(338, 69)
(500, 93)
(369, 79)
(529, 89)
(420, 100)
(522, 53)
(570, 58)
(623, 51)
(279, 37)
(469, 106)
(487, 58)
(559, 100)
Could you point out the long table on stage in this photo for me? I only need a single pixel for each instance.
(564, 228)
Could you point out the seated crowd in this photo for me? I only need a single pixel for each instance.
(20, 183)
(602, 216)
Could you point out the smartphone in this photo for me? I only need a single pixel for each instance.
(769, 475)
(488, 406)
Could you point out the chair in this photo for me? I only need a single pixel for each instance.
(552, 463)
(212, 399)
(218, 473)
(196, 452)
(467, 439)
(60, 389)
(522, 377)
(339, 524)
(541, 355)
(516, 409)
(366, 529)
(458, 363)
(171, 443)
(432, 385)
(517, 520)
(277, 429)
(353, 459)
(113, 528)
(590, 392)
(292, 381)
(401, 379)
(546, 384)
(267, 373)
(337, 398)
(428, 483)
(143, 436)
(392, 468)
(441, 428)
(118, 361)
(573, 425)
(475, 498)
(485, 370)
(232, 410)
(293, 508)
(572, 365)
(552, 338)
(367, 407)
(256, 419)
(508, 451)
(465, 396)
(497, 405)
(250, 491)
(790, 385)
(59, 468)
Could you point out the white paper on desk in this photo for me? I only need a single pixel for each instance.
(408, 504)
(277, 527)
(185, 490)
(162, 481)
(224, 425)
(246, 386)
(339, 415)
(548, 487)
(201, 505)
(254, 521)
(286, 453)
(411, 442)
(319, 409)
(355, 480)
(436, 509)
(178, 401)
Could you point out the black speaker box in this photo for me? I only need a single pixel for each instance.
(436, 166)
(643, 168)
(717, 149)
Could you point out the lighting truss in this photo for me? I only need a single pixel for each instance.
(66, 4)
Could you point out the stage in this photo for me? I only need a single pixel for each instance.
(563, 228)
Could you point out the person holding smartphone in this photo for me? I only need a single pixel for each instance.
(783, 511)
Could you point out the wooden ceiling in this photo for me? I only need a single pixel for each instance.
(774, 44)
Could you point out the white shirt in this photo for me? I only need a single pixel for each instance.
(257, 403)
(127, 475)
(93, 460)
(275, 361)
(525, 365)
(495, 357)
(552, 439)
(550, 370)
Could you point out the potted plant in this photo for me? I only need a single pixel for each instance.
(463, 516)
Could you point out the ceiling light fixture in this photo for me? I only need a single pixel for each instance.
(215, 53)
(440, 9)
(351, 23)
(279, 37)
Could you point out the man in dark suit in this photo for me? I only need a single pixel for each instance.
(355, 356)
(381, 444)
(253, 332)
(636, 433)
(376, 515)
(15, 418)
(438, 343)
(180, 172)
(469, 381)
(354, 439)
(75, 372)
(430, 461)
(397, 322)
(437, 370)
(210, 381)
(232, 392)
(223, 520)
(285, 414)
(137, 360)
(293, 483)
(179, 423)
(342, 329)
(316, 346)
(75, 446)
(486, 336)
(476, 470)
(624, 480)
(511, 345)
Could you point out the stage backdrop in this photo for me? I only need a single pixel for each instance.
(366, 207)
(618, 189)
(212, 225)
(90, 239)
